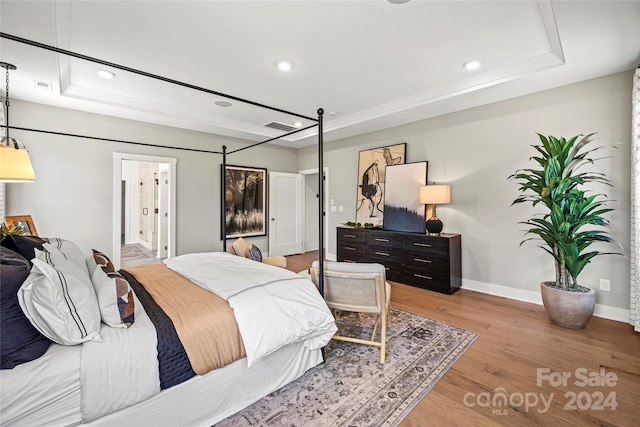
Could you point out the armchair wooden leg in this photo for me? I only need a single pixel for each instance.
(383, 340)
(375, 328)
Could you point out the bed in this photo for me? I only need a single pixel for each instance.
(124, 369)
(104, 373)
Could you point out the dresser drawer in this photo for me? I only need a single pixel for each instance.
(351, 236)
(349, 252)
(426, 261)
(383, 239)
(435, 281)
(425, 244)
(382, 256)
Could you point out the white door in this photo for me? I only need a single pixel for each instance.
(285, 213)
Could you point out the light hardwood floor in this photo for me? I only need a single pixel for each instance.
(521, 356)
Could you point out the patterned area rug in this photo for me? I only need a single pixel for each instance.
(128, 252)
(352, 389)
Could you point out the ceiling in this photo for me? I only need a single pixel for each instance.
(370, 65)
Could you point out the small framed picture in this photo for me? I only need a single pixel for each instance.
(22, 221)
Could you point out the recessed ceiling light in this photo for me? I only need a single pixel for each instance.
(298, 124)
(107, 75)
(223, 103)
(284, 65)
(471, 65)
(397, 1)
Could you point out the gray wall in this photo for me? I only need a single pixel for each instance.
(475, 151)
(73, 195)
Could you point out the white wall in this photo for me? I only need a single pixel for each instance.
(72, 197)
(475, 151)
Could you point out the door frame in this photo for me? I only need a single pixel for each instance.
(314, 171)
(117, 200)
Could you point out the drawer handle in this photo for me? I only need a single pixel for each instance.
(351, 236)
(423, 277)
(382, 254)
(378, 239)
(426, 245)
(428, 261)
(349, 248)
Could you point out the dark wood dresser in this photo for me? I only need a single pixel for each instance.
(429, 262)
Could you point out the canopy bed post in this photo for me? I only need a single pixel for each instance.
(223, 218)
(321, 201)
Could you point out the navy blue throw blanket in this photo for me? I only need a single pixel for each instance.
(172, 358)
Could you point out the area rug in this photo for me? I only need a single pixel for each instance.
(351, 388)
(128, 252)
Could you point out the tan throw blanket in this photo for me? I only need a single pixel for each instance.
(204, 322)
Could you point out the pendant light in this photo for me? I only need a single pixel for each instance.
(15, 165)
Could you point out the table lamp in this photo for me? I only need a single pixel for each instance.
(434, 195)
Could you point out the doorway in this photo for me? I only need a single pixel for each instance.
(311, 240)
(293, 212)
(144, 209)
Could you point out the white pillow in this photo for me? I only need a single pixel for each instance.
(115, 297)
(59, 300)
(68, 249)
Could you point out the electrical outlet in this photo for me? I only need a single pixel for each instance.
(605, 285)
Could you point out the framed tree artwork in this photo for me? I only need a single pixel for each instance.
(402, 208)
(245, 196)
(371, 181)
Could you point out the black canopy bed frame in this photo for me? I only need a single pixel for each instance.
(317, 122)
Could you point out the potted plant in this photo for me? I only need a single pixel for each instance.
(6, 230)
(570, 223)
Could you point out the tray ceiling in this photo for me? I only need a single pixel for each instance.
(369, 64)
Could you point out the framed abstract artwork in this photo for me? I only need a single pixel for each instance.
(24, 222)
(371, 181)
(246, 201)
(402, 208)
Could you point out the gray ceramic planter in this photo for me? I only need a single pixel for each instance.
(568, 309)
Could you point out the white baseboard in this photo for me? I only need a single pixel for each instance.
(312, 247)
(604, 311)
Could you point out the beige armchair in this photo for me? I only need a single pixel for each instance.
(240, 247)
(357, 287)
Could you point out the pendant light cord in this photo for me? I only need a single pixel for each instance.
(6, 102)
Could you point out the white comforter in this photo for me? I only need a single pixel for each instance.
(273, 306)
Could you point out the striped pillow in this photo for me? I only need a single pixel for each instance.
(59, 300)
(68, 249)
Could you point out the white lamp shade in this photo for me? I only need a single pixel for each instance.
(15, 165)
(435, 194)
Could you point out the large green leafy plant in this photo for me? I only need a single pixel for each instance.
(572, 220)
